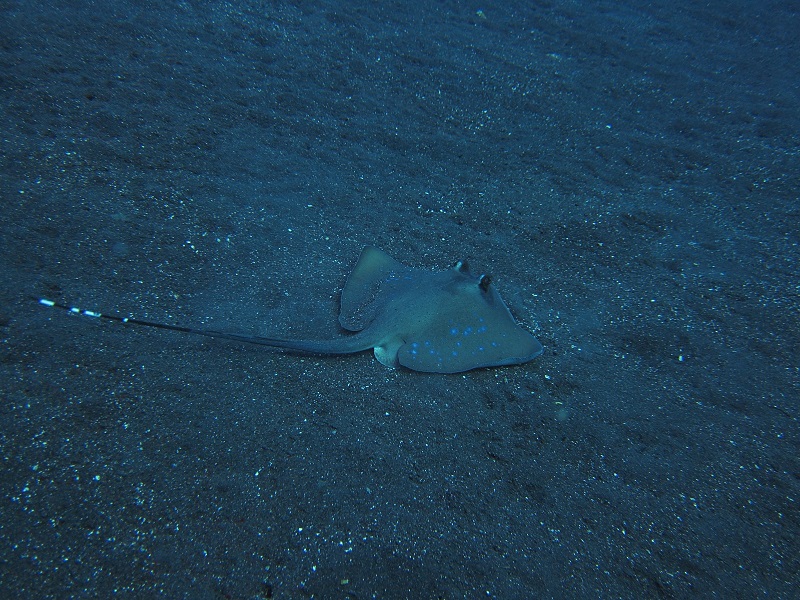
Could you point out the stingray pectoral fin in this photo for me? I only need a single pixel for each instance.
(358, 303)
(436, 356)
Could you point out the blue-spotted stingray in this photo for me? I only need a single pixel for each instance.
(438, 322)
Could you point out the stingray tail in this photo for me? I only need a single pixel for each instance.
(344, 345)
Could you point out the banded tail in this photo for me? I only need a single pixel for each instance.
(344, 345)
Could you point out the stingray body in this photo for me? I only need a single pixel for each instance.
(439, 322)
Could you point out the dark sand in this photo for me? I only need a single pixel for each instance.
(628, 175)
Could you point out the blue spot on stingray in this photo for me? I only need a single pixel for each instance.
(454, 331)
(482, 329)
(468, 330)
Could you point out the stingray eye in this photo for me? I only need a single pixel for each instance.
(462, 266)
(485, 282)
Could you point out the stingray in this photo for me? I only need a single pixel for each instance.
(437, 322)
